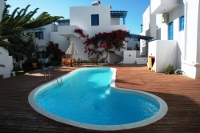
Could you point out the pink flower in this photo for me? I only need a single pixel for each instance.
(104, 45)
(111, 46)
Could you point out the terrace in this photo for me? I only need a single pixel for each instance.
(182, 94)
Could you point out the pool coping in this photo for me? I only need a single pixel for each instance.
(160, 114)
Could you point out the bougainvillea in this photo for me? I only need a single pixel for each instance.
(54, 52)
(102, 44)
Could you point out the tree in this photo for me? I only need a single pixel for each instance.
(23, 47)
(102, 44)
(17, 22)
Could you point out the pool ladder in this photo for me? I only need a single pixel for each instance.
(54, 73)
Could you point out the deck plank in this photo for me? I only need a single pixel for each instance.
(182, 94)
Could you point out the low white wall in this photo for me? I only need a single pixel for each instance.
(116, 57)
(191, 70)
(164, 52)
(7, 61)
(141, 60)
(129, 57)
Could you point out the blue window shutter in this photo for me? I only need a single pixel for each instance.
(95, 19)
(170, 31)
(36, 34)
(182, 23)
(41, 35)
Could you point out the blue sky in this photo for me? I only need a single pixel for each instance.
(135, 8)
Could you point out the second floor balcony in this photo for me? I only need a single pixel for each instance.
(40, 42)
(163, 6)
(68, 30)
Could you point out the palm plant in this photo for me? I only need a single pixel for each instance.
(13, 25)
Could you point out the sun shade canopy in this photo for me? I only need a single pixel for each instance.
(140, 37)
(72, 49)
(118, 14)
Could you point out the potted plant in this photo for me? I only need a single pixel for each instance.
(169, 69)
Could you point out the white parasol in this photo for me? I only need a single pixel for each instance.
(72, 49)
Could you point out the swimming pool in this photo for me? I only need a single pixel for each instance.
(89, 99)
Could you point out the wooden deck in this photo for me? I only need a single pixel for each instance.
(181, 93)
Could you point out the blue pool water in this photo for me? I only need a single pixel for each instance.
(86, 97)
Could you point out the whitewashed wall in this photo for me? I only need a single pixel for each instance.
(132, 42)
(80, 47)
(153, 27)
(7, 61)
(164, 52)
(115, 21)
(62, 41)
(146, 22)
(84, 20)
(191, 63)
(129, 57)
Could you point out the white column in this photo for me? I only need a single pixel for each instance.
(191, 30)
(198, 35)
(191, 50)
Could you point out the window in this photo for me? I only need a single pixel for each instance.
(170, 31)
(94, 19)
(182, 23)
(39, 35)
(136, 39)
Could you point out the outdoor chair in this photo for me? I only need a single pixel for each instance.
(94, 61)
(77, 62)
(63, 61)
(67, 61)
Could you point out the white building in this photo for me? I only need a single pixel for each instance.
(43, 35)
(175, 26)
(92, 20)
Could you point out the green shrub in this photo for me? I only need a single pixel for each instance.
(170, 69)
(16, 67)
(28, 66)
(129, 48)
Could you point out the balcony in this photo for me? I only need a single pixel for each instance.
(69, 30)
(40, 42)
(163, 6)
